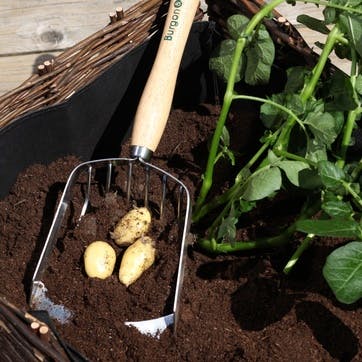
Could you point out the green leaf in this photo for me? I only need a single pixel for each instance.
(352, 25)
(227, 228)
(319, 45)
(313, 23)
(338, 208)
(309, 179)
(272, 158)
(343, 272)
(343, 51)
(323, 126)
(329, 15)
(315, 151)
(315, 105)
(268, 137)
(338, 121)
(246, 206)
(293, 170)
(224, 150)
(295, 104)
(359, 84)
(339, 93)
(236, 24)
(259, 54)
(352, 3)
(331, 175)
(225, 137)
(260, 57)
(230, 155)
(272, 116)
(222, 58)
(338, 228)
(262, 184)
(295, 78)
(330, 196)
(242, 175)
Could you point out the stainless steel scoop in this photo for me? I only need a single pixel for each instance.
(150, 121)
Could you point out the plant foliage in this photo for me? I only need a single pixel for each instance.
(305, 149)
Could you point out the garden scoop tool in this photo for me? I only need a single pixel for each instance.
(149, 123)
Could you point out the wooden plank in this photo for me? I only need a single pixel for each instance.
(31, 30)
(32, 25)
(292, 11)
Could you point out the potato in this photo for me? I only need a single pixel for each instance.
(137, 258)
(132, 226)
(99, 260)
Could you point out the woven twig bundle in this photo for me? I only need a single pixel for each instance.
(79, 65)
(76, 67)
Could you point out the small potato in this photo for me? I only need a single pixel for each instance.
(132, 226)
(99, 260)
(137, 258)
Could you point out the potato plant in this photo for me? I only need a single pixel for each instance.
(305, 148)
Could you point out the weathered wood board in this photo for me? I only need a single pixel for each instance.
(31, 30)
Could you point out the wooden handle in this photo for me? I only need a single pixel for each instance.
(155, 104)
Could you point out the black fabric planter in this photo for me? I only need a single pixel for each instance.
(95, 120)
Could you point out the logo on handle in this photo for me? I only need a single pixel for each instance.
(174, 20)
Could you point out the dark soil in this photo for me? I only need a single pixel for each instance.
(233, 308)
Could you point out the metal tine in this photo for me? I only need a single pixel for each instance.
(179, 202)
(109, 177)
(163, 197)
(87, 194)
(129, 180)
(147, 185)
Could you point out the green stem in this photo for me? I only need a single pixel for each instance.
(211, 245)
(352, 115)
(311, 85)
(240, 45)
(208, 176)
(233, 190)
(292, 156)
(300, 250)
(236, 195)
(352, 192)
(328, 4)
(331, 40)
(356, 172)
(291, 114)
(217, 248)
(347, 135)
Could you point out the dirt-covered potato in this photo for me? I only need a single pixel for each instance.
(137, 258)
(132, 226)
(99, 260)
